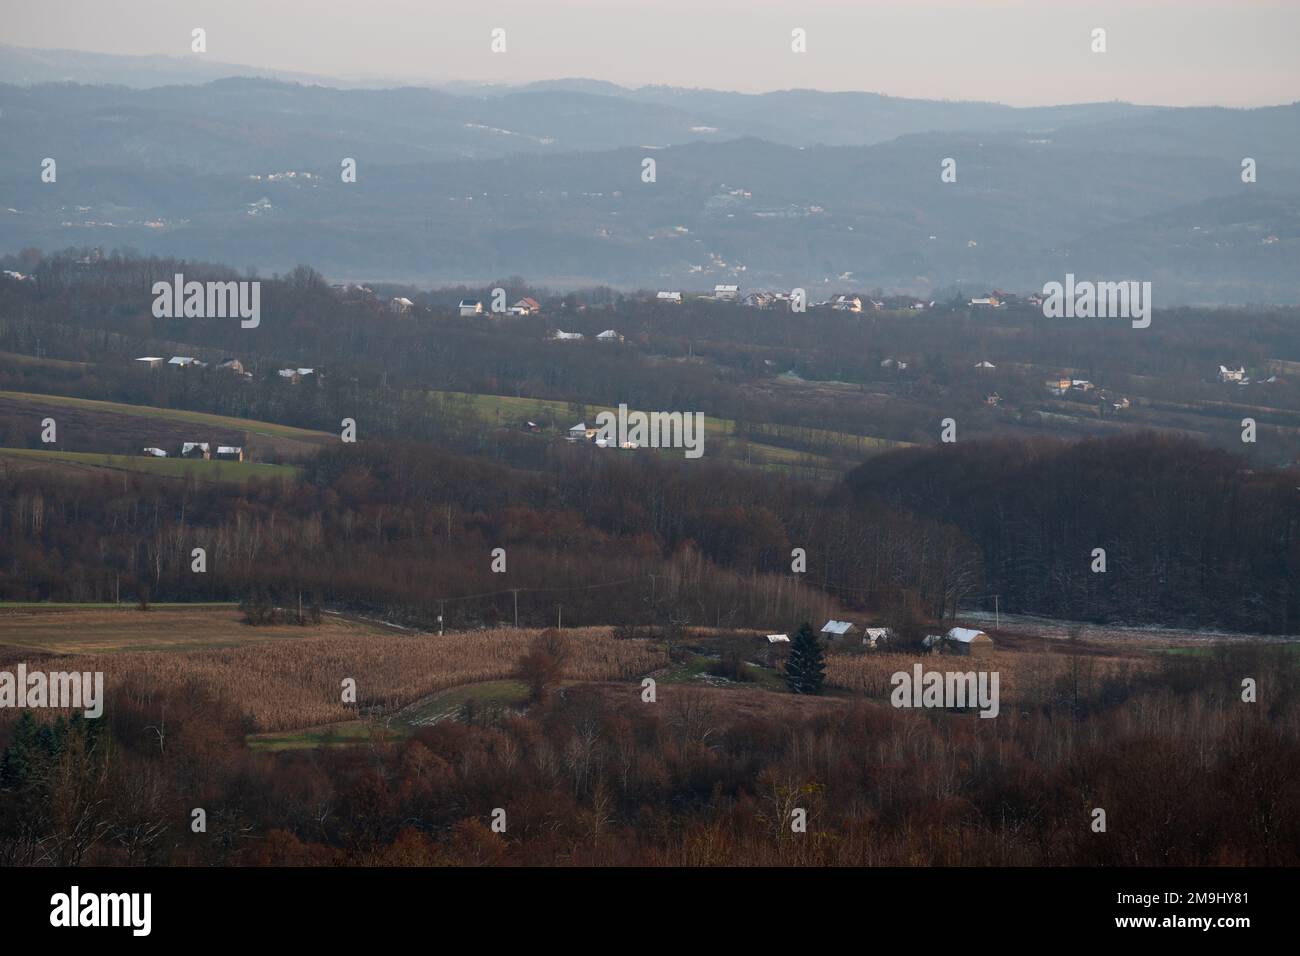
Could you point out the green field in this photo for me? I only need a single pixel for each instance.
(248, 425)
(17, 358)
(507, 410)
(203, 470)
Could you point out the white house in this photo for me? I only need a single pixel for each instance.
(835, 628)
(401, 305)
(726, 293)
(876, 637)
(230, 452)
(673, 297)
(609, 335)
(470, 307)
(1232, 374)
(846, 303)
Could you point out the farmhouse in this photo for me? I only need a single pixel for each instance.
(230, 452)
(876, 637)
(470, 307)
(1232, 374)
(962, 641)
(196, 449)
(580, 432)
(526, 306)
(295, 375)
(846, 303)
(833, 628)
(1059, 386)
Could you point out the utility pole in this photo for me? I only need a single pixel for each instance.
(997, 617)
(559, 620)
(652, 600)
(442, 606)
(516, 592)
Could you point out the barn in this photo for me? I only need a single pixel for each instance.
(963, 641)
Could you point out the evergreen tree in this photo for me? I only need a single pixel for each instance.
(805, 671)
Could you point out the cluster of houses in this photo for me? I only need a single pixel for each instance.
(772, 299)
(762, 299)
(468, 308)
(1238, 376)
(608, 336)
(963, 641)
(582, 432)
(1065, 385)
(199, 449)
(231, 365)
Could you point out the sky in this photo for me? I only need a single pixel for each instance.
(1021, 52)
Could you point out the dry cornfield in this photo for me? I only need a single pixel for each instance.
(293, 684)
(1026, 678)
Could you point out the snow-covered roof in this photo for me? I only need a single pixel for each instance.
(777, 638)
(964, 634)
(837, 627)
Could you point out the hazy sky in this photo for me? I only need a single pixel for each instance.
(1180, 52)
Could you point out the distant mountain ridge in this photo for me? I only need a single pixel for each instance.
(798, 187)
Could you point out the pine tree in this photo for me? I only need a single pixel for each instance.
(805, 671)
